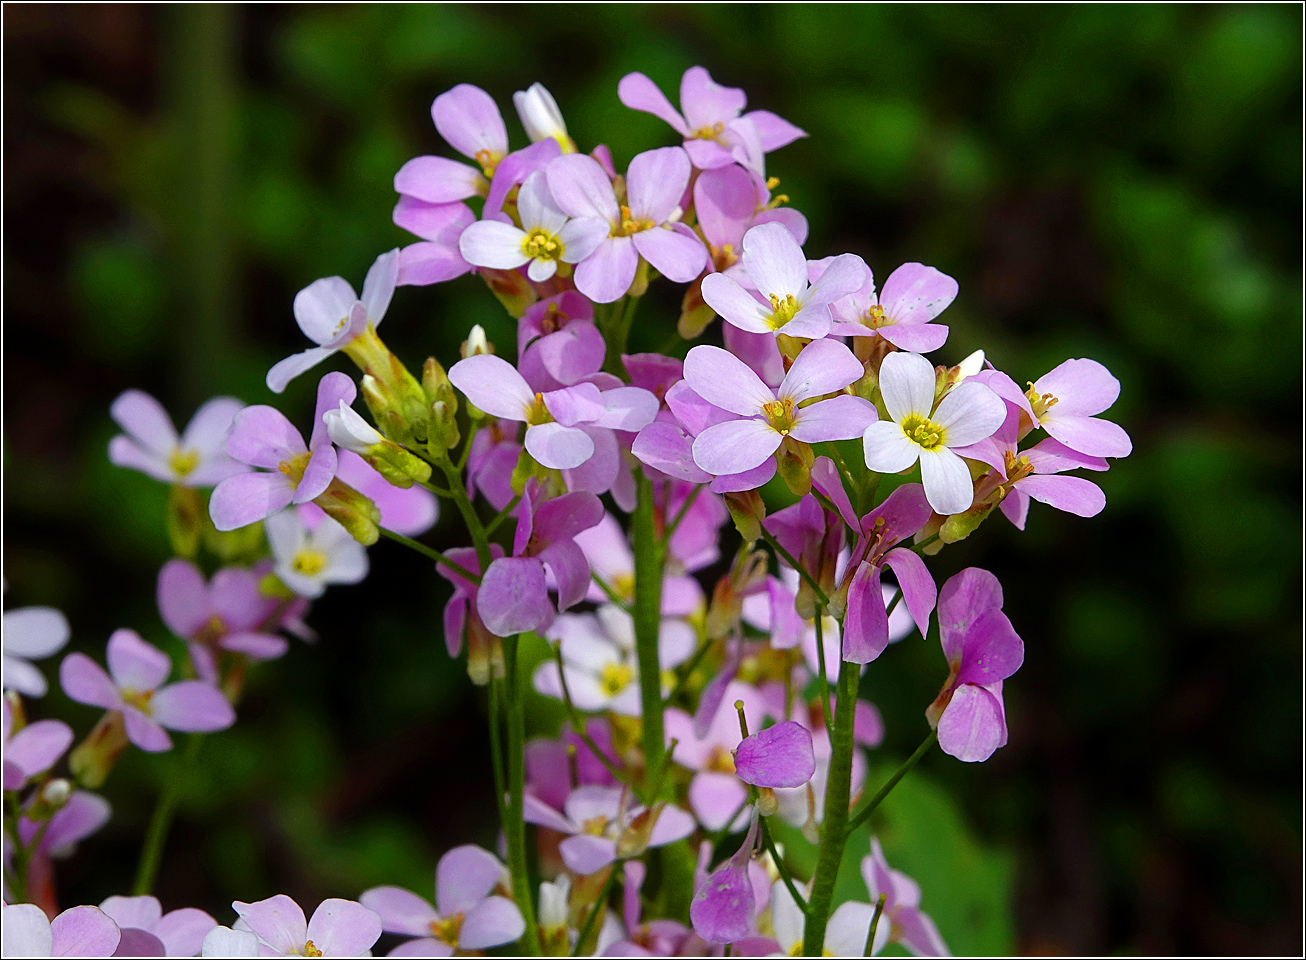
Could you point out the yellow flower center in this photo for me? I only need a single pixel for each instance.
(925, 432)
(311, 950)
(446, 929)
(140, 699)
(488, 159)
(294, 468)
(542, 245)
(623, 585)
(720, 760)
(537, 412)
(782, 311)
(780, 415)
(183, 461)
(712, 132)
(1040, 402)
(876, 318)
(595, 826)
(1018, 467)
(309, 562)
(724, 257)
(630, 225)
(615, 677)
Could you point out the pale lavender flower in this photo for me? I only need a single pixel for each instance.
(710, 120)
(916, 430)
(645, 226)
(982, 650)
(513, 594)
(913, 295)
(134, 687)
(290, 472)
(1065, 402)
(785, 301)
(77, 932)
(467, 914)
(311, 553)
(558, 344)
(469, 120)
(728, 202)
(902, 921)
(594, 818)
(845, 932)
(33, 749)
(150, 443)
(332, 315)
(229, 612)
(30, 633)
(435, 258)
(546, 237)
(764, 417)
(339, 928)
(180, 933)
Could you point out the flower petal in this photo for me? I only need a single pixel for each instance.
(779, 756)
(248, 498)
(400, 910)
(706, 102)
(192, 706)
(969, 413)
(638, 92)
(735, 304)
(85, 681)
(947, 482)
(134, 664)
(606, 274)
(973, 725)
(581, 188)
(907, 384)
(344, 928)
(839, 418)
(262, 437)
(83, 932)
(735, 446)
(1082, 387)
(494, 385)
(887, 449)
(283, 371)
(491, 923)
(916, 294)
(675, 251)
(34, 632)
(465, 876)
(722, 379)
(513, 596)
(469, 120)
(490, 243)
(379, 285)
(277, 921)
(822, 367)
(774, 261)
(322, 308)
(1071, 494)
(145, 421)
(562, 448)
(655, 182)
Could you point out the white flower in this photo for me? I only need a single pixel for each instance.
(308, 559)
(917, 431)
(540, 115)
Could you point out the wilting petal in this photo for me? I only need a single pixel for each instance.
(779, 756)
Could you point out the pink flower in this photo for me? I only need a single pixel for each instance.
(462, 605)
(725, 903)
(558, 344)
(229, 612)
(646, 226)
(30, 633)
(982, 650)
(513, 594)
(764, 417)
(1065, 402)
(728, 201)
(716, 794)
(32, 750)
(77, 932)
(917, 430)
(262, 437)
(339, 928)
(787, 302)
(435, 258)
(902, 921)
(913, 295)
(468, 119)
(134, 688)
(150, 443)
(779, 756)
(178, 933)
(467, 914)
(715, 133)
(332, 315)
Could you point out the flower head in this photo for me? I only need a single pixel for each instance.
(180, 933)
(913, 295)
(339, 928)
(150, 444)
(313, 552)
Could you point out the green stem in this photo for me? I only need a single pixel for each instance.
(819, 623)
(514, 826)
(834, 832)
(470, 518)
(600, 906)
(920, 547)
(161, 820)
(789, 559)
(782, 868)
(502, 515)
(875, 922)
(860, 817)
(496, 748)
(430, 553)
(680, 515)
(650, 557)
(578, 726)
(606, 587)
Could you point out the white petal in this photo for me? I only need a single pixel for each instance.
(907, 385)
(887, 449)
(948, 486)
(490, 243)
(774, 261)
(969, 414)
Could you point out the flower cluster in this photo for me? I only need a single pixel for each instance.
(710, 682)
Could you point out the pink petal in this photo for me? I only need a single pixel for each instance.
(278, 921)
(655, 182)
(1071, 494)
(774, 261)
(724, 201)
(775, 132)
(572, 405)
(283, 371)
(85, 681)
(962, 600)
(736, 306)
(469, 120)
(779, 756)
(491, 923)
(192, 706)
(839, 418)
(207, 430)
(915, 293)
(822, 367)
(37, 747)
(425, 947)
(400, 910)
(559, 447)
(725, 381)
(581, 188)
(145, 421)
(736, 446)
(248, 498)
(262, 437)
(124, 452)
(627, 408)
(135, 942)
(918, 590)
(638, 92)
(513, 597)
(866, 626)
(494, 385)
(722, 908)
(83, 932)
(581, 237)
(715, 798)
(439, 180)
(606, 274)
(921, 338)
(183, 931)
(675, 251)
(706, 102)
(322, 308)
(440, 223)
(827, 481)
(344, 928)
(183, 597)
(144, 731)
(587, 854)
(973, 725)
(969, 413)
(1082, 387)
(842, 276)
(421, 264)
(991, 651)
(666, 447)
(465, 876)
(1088, 435)
(319, 473)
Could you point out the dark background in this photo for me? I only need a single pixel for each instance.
(1120, 182)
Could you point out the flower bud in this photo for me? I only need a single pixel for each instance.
(475, 343)
(435, 382)
(353, 511)
(695, 314)
(395, 398)
(794, 464)
(349, 431)
(748, 511)
(959, 526)
(512, 289)
(767, 803)
(56, 793)
(541, 117)
(444, 425)
(17, 715)
(484, 653)
(93, 758)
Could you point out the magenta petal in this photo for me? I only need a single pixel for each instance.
(1015, 507)
(665, 447)
(828, 482)
(779, 756)
(722, 908)
(400, 910)
(192, 706)
(85, 681)
(513, 596)
(248, 498)
(145, 732)
(916, 338)
(135, 664)
(597, 474)
(135, 942)
(491, 923)
(962, 600)
(566, 561)
(1088, 435)
(918, 590)
(469, 120)
(343, 928)
(183, 597)
(563, 517)
(83, 932)
(991, 651)
(572, 353)
(866, 625)
(973, 725)
(81, 816)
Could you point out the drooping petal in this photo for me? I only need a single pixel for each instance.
(866, 625)
(513, 596)
(1088, 435)
(638, 92)
(774, 131)
(736, 305)
(494, 385)
(918, 590)
(344, 928)
(774, 261)
(722, 379)
(606, 274)
(722, 908)
(963, 599)
(887, 449)
(946, 478)
(192, 706)
(135, 664)
(991, 651)
(469, 120)
(675, 251)
(973, 725)
(779, 756)
(916, 338)
(907, 384)
(735, 446)
(839, 418)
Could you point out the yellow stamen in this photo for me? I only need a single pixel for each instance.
(782, 311)
(710, 133)
(446, 930)
(615, 677)
(780, 415)
(1018, 467)
(925, 432)
(311, 950)
(542, 245)
(595, 826)
(488, 160)
(876, 318)
(140, 699)
(630, 225)
(294, 468)
(309, 562)
(183, 461)
(1040, 402)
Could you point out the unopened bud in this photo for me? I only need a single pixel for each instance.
(748, 511)
(349, 431)
(541, 117)
(444, 425)
(794, 464)
(511, 288)
(353, 511)
(970, 366)
(435, 383)
(17, 715)
(56, 793)
(394, 390)
(767, 802)
(476, 342)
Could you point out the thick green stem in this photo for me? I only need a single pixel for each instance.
(160, 822)
(834, 826)
(650, 557)
(514, 827)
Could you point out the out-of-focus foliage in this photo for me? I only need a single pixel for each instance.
(1115, 182)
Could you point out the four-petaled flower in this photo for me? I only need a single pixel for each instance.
(150, 443)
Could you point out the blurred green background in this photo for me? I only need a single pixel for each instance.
(1120, 182)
